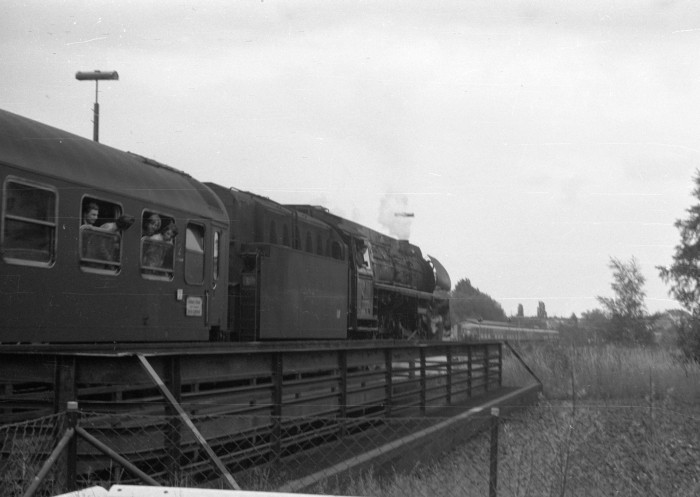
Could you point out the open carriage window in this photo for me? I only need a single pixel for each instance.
(29, 224)
(215, 256)
(158, 232)
(101, 227)
(194, 254)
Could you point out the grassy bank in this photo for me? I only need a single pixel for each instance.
(608, 373)
(614, 421)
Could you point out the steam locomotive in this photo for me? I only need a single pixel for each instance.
(87, 255)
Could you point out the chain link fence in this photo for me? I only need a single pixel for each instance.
(560, 449)
(24, 448)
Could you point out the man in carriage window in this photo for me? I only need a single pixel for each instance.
(90, 215)
(101, 243)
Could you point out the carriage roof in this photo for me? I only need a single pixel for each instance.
(51, 152)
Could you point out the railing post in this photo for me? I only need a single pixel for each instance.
(487, 373)
(423, 386)
(493, 470)
(469, 370)
(448, 383)
(343, 390)
(72, 416)
(388, 381)
(174, 423)
(65, 395)
(65, 389)
(500, 364)
(277, 382)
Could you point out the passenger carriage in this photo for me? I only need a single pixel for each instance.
(66, 281)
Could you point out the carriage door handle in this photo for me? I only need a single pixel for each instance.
(206, 307)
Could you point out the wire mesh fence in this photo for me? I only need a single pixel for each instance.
(24, 448)
(551, 449)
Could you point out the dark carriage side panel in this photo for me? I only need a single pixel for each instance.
(302, 296)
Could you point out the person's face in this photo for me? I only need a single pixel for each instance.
(152, 225)
(168, 235)
(91, 216)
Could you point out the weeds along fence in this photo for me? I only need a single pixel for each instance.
(558, 449)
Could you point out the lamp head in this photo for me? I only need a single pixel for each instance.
(96, 75)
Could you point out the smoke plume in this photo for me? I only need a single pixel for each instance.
(395, 215)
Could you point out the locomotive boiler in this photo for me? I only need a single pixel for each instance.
(100, 245)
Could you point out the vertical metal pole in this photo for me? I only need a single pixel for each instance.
(388, 379)
(343, 394)
(72, 415)
(277, 381)
(469, 371)
(448, 383)
(96, 120)
(173, 428)
(65, 388)
(493, 473)
(487, 373)
(500, 364)
(423, 385)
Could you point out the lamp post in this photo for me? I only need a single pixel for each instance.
(96, 76)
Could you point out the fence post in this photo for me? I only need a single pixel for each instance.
(343, 390)
(448, 383)
(493, 471)
(65, 388)
(500, 364)
(72, 416)
(469, 371)
(388, 378)
(487, 371)
(423, 385)
(277, 382)
(173, 427)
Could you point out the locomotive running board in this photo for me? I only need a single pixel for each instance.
(188, 422)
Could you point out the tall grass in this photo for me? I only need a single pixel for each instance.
(607, 372)
(610, 424)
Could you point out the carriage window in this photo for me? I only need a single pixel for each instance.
(215, 259)
(319, 244)
(158, 234)
(296, 243)
(194, 254)
(100, 235)
(285, 235)
(309, 243)
(336, 250)
(29, 234)
(273, 232)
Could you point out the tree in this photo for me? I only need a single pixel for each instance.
(541, 311)
(521, 311)
(684, 273)
(684, 276)
(468, 302)
(629, 321)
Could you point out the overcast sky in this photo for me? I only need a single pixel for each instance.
(532, 140)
